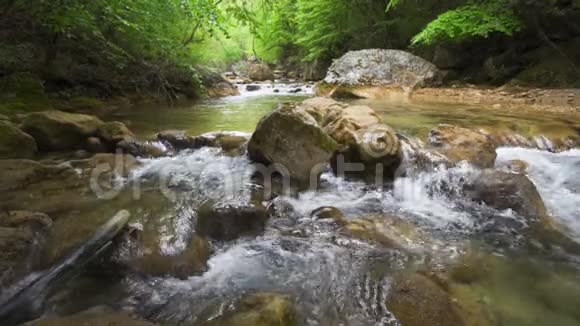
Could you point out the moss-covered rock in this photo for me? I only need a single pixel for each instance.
(503, 190)
(227, 222)
(191, 261)
(92, 318)
(261, 309)
(260, 72)
(57, 130)
(19, 234)
(14, 143)
(461, 144)
(23, 92)
(415, 300)
(388, 231)
(114, 132)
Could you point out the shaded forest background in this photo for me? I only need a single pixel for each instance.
(105, 48)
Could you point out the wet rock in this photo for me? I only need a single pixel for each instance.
(93, 317)
(95, 145)
(148, 149)
(387, 231)
(222, 89)
(377, 148)
(261, 309)
(295, 90)
(57, 130)
(20, 235)
(215, 84)
(503, 190)
(515, 166)
(260, 72)
(191, 261)
(14, 143)
(329, 213)
(415, 300)
(276, 90)
(114, 132)
(178, 139)
(253, 88)
(290, 141)
(228, 222)
(294, 136)
(231, 142)
(55, 188)
(32, 220)
(460, 144)
(380, 69)
(281, 208)
(362, 138)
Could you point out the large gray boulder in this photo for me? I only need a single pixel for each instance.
(14, 143)
(300, 139)
(260, 72)
(291, 139)
(378, 69)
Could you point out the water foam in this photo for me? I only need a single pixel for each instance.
(557, 177)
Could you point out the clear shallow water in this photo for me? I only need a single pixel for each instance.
(336, 279)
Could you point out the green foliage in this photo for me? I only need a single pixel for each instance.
(139, 27)
(476, 19)
(322, 26)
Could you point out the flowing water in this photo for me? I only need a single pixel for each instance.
(335, 279)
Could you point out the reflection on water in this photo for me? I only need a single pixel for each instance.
(239, 113)
(418, 119)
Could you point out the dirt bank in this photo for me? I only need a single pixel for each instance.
(505, 98)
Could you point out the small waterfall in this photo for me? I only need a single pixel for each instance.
(541, 142)
(557, 177)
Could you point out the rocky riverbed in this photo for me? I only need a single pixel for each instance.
(465, 223)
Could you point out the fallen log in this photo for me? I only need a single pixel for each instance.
(28, 303)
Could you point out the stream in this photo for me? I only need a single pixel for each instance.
(335, 279)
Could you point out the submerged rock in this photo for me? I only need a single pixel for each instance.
(461, 144)
(503, 190)
(191, 261)
(14, 143)
(228, 222)
(291, 142)
(387, 231)
(378, 69)
(415, 300)
(261, 309)
(20, 235)
(57, 130)
(93, 317)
